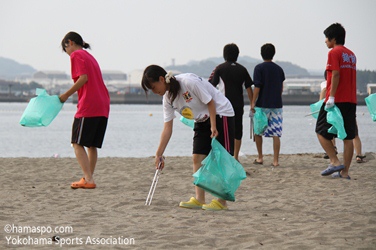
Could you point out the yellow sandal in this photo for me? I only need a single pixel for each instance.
(214, 206)
(193, 203)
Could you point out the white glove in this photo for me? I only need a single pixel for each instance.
(330, 102)
(251, 114)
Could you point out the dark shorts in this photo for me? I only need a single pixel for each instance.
(202, 140)
(239, 112)
(348, 111)
(89, 131)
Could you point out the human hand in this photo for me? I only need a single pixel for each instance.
(63, 98)
(159, 162)
(251, 113)
(214, 132)
(330, 103)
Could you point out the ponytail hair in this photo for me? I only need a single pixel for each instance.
(76, 38)
(152, 74)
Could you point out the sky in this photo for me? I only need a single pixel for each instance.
(129, 35)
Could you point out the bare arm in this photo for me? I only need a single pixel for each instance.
(213, 122)
(250, 96)
(322, 93)
(165, 138)
(76, 86)
(254, 98)
(335, 81)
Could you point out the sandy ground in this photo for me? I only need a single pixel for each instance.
(289, 207)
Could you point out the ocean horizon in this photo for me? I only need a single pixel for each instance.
(134, 131)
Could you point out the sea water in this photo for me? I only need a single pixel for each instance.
(134, 131)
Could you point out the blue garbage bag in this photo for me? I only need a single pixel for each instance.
(220, 174)
(260, 121)
(41, 110)
(315, 108)
(334, 117)
(371, 105)
(188, 122)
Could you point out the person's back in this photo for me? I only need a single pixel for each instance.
(234, 76)
(230, 77)
(269, 77)
(93, 97)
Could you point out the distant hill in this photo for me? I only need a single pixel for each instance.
(205, 67)
(10, 69)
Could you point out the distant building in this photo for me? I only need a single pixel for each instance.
(114, 76)
(371, 88)
(50, 78)
(302, 86)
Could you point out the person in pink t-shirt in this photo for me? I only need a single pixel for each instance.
(90, 120)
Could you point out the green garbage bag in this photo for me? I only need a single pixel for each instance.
(188, 122)
(335, 118)
(41, 110)
(260, 121)
(371, 105)
(315, 108)
(220, 174)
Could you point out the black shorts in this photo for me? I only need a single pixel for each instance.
(202, 140)
(348, 111)
(89, 131)
(239, 112)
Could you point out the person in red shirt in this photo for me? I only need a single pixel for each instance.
(341, 91)
(90, 120)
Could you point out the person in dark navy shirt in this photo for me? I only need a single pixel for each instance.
(231, 77)
(268, 78)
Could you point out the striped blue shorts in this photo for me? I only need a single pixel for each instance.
(275, 120)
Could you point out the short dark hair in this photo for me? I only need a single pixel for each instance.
(74, 37)
(336, 31)
(267, 51)
(231, 52)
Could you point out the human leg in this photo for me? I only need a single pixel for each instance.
(238, 130)
(201, 148)
(357, 145)
(358, 148)
(237, 145)
(274, 130)
(258, 141)
(276, 149)
(93, 157)
(199, 199)
(326, 139)
(200, 193)
(83, 161)
(348, 111)
(226, 129)
(327, 145)
(348, 151)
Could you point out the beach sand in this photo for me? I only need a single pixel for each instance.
(288, 207)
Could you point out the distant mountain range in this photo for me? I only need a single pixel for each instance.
(205, 67)
(10, 69)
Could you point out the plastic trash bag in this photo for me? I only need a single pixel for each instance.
(188, 122)
(335, 118)
(371, 105)
(41, 110)
(260, 121)
(220, 174)
(315, 108)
